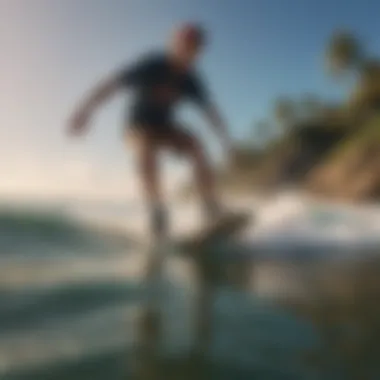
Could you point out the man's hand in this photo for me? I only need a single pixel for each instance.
(78, 123)
(229, 150)
(216, 121)
(101, 93)
(226, 143)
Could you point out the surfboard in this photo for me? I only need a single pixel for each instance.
(222, 229)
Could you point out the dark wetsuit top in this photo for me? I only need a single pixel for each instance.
(157, 88)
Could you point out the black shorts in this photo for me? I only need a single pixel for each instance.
(167, 133)
(154, 122)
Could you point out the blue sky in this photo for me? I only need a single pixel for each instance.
(53, 51)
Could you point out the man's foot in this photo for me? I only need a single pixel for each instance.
(220, 228)
(219, 221)
(212, 211)
(158, 220)
(215, 213)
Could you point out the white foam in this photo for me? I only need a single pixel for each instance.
(284, 219)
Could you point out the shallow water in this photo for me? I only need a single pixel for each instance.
(70, 295)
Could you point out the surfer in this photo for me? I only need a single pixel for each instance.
(159, 81)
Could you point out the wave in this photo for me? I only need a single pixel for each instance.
(24, 230)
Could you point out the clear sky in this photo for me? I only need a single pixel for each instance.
(53, 51)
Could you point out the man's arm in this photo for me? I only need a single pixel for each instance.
(129, 76)
(215, 119)
(98, 96)
(101, 93)
(199, 94)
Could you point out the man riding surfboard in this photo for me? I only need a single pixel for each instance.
(159, 81)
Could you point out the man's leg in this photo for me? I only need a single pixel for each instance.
(186, 144)
(147, 146)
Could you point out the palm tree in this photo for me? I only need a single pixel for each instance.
(370, 69)
(367, 91)
(261, 131)
(285, 112)
(344, 53)
(310, 106)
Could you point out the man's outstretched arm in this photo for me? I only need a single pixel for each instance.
(98, 96)
(126, 77)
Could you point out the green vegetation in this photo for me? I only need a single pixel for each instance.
(328, 148)
(324, 147)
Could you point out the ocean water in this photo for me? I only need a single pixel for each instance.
(71, 286)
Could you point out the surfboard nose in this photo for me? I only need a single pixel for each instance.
(223, 228)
